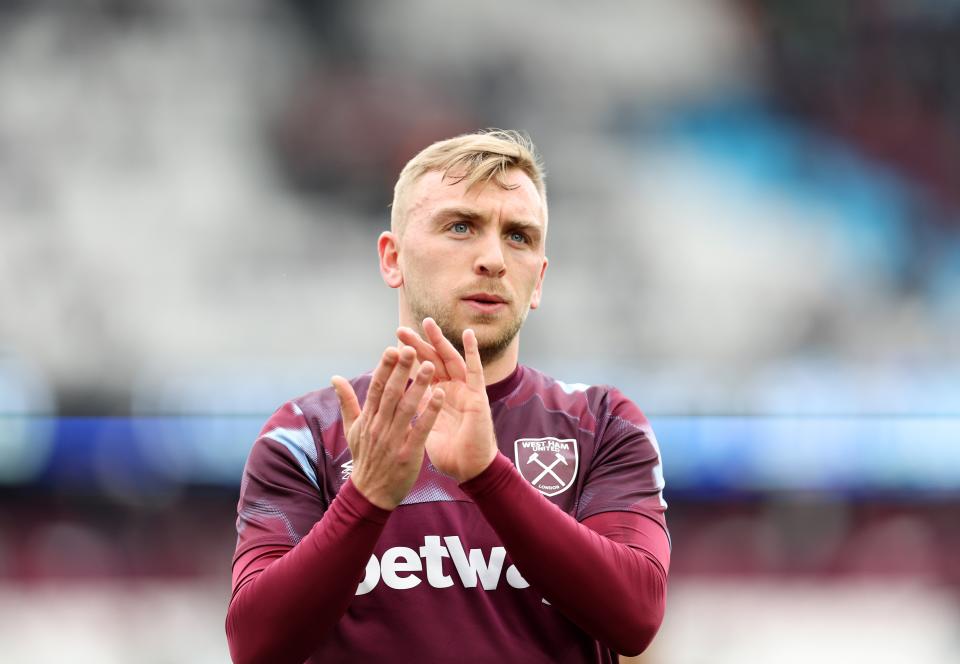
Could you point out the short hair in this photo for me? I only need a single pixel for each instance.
(479, 157)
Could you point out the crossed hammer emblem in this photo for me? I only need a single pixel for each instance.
(547, 469)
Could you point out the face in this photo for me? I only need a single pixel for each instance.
(470, 259)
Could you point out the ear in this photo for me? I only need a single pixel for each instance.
(388, 246)
(538, 291)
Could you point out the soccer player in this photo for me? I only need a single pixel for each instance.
(454, 505)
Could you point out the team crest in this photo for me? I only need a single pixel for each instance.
(549, 464)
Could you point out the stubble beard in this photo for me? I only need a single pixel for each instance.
(444, 315)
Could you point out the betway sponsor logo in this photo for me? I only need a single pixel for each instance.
(402, 568)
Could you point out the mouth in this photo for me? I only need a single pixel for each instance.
(485, 302)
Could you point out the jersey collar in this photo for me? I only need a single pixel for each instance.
(500, 389)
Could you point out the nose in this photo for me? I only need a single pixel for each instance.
(490, 261)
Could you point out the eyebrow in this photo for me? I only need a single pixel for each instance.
(443, 215)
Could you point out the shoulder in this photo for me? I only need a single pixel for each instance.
(573, 396)
(318, 410)
(540, 395)
(309, 426)
(561, 392)
(600, 408)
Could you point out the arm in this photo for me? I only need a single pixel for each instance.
(287, 598)
(287, 595)
(608, 574)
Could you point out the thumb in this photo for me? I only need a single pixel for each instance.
(349, 404)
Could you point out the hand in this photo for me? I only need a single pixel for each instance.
(462, 442)
(386, 443)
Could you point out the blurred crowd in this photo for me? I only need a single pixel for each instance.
(189, 186)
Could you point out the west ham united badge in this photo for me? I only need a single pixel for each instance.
(549, 464)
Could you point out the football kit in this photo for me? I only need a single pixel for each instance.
(558, 552)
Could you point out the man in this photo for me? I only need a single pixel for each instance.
(454, 505)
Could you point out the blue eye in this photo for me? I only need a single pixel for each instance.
(460, 227)
(520, 238)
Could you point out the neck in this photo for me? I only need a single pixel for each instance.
(497, 369)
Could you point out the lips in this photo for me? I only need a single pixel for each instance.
(485, 298)
(485, 303)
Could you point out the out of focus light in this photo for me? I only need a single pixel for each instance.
(25, 438)
(811, 453)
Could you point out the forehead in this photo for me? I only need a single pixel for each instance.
(433, 192)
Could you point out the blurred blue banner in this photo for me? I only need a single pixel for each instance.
(703, 454)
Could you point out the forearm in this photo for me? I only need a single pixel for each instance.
(284, 605)
(613, 591)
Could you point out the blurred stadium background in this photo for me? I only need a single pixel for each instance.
(755, 232)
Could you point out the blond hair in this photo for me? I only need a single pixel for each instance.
(480, 157)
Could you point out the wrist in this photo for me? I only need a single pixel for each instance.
(359, 505)
(379, 499)
(480, 467)
(492, 477)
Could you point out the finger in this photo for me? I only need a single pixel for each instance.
(471, 349)
(349, 404)
(407, 407)
(423, 425)
(378, 381)
(425, 352)
(424, 400)
(394, 389)
(451, 359)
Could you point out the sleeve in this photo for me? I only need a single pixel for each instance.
(280, 497)
(608, 575)
(298, 561)
(626, 473)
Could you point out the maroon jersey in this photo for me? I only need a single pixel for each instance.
(440, 585)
